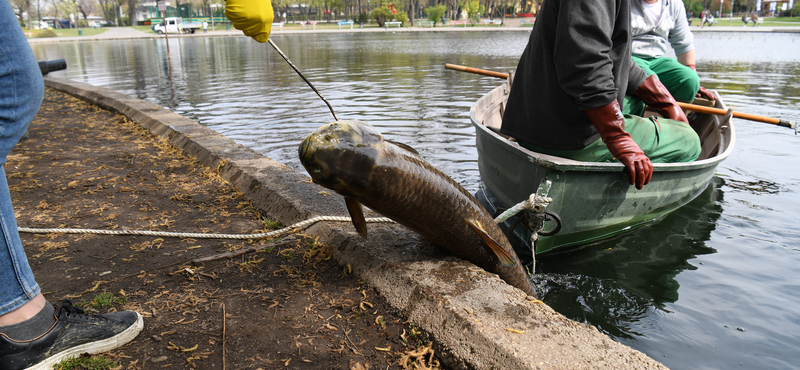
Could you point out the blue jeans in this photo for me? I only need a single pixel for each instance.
(21, 92)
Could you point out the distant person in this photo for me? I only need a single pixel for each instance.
(755, 19)
(707, 18)
(34, 333)
(657, 26)
(746, 20)
(205, 27)
(689, 19)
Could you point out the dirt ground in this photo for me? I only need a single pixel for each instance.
(284, 305)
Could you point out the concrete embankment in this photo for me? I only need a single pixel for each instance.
(476, 319)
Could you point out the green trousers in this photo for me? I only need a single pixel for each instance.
(681, 81)
(662, 140)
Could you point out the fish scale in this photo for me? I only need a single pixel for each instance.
(352, 159)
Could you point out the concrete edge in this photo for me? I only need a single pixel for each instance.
(477, 320)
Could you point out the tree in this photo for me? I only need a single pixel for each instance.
(85, 7)
(21, 7)
(696, 8)
(107, 6)
(66, 7)
(435, 13)
(474, 10)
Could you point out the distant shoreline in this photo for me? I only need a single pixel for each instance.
(512, 25)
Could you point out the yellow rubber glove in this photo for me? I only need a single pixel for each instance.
(253, 17)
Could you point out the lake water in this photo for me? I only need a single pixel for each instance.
(713, 285)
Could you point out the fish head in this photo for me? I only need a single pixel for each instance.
(341, 155)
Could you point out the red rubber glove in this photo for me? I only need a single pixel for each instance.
(656, 96)
(610, 124)
(703, 93)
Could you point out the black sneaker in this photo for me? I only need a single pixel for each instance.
(73, 334)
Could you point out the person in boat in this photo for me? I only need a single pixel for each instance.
(657, 25)
(568, 91)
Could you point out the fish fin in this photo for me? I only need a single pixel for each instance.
(498, 251)
(357, 215)
(403, 146)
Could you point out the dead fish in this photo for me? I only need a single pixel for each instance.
(352, 159)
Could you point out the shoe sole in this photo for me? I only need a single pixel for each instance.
(93, 348)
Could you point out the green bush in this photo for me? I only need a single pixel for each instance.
(474, 10)
(44, 33)
(696, 8)
(435, 13)
(402, 17)
(362, 17)
(381, 15)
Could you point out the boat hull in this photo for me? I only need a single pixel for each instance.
(594, 200)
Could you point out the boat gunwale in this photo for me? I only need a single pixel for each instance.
(565, 164)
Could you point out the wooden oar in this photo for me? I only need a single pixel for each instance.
(685, 106)
(747, 116)
(476, 71)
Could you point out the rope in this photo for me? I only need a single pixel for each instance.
(534, 203)
(270, 234)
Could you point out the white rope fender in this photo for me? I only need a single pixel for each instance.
(270, 234)
(535, 203)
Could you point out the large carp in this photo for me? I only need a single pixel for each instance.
(352, 159)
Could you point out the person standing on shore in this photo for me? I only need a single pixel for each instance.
(569, 88)
(205, 27)
(657, 26)
(33, 333)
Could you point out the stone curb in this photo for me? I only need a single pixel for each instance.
(477, 321)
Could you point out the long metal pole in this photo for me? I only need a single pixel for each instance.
(303, 77)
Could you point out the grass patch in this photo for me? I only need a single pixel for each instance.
(86, 363)
(71, 32)
(270, 224)
(102, 301)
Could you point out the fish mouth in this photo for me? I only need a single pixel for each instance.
(303, 149)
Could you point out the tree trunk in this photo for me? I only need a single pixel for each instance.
(413, 14)
(28, 6)
(131, 12)
(85, 17)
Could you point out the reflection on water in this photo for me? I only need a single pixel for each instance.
(621, 280)
(713, 285)
(245, 91)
